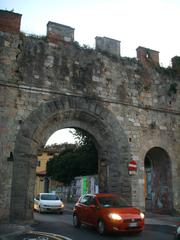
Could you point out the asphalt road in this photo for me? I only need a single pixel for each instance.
(62, 224)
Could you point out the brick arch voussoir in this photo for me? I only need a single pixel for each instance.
(96, 112)
(62, 105)
(83, 104)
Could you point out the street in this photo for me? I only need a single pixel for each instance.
(62, 224)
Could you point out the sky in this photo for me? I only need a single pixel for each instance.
(149, 23)
(61, 136)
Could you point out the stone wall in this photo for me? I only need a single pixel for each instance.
(129, 105)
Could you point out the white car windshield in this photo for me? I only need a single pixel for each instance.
(49, 197)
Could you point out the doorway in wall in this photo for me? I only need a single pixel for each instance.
(158, 181)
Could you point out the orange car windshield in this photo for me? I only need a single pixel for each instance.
(112, 202)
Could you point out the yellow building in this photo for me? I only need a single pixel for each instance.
(41, 181)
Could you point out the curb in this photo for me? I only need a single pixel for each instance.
(39, 235)
(51, 235)
(161, 224)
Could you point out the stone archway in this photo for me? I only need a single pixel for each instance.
(111, 141)
(158, 181)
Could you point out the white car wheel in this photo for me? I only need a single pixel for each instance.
(40, 211)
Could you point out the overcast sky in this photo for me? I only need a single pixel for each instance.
(61, 136)
(149, 23)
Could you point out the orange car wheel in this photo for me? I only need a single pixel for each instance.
(76, 221)
(101, 227)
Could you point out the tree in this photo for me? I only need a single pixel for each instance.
(78, 161)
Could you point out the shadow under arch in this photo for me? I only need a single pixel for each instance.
(67, 111)
(158, 181)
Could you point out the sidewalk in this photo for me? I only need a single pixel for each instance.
(160, 219)
(9, 231)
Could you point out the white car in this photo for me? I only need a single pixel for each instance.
(48, 202)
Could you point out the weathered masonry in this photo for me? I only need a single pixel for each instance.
(131, 107)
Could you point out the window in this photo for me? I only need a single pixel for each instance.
(88, 200)
(92, 201)
(148, 55)
(84, 200)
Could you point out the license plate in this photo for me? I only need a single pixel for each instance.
(134, 224)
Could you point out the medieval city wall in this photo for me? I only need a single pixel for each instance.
(142, 96)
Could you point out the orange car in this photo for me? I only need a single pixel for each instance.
(107, 212)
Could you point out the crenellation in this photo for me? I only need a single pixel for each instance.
(10, 22)
(147, 57)
(108, 45)
(58, 32)
(176, 64)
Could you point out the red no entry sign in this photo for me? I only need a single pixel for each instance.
(132, 167)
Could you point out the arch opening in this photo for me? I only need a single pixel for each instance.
(69, 112)
(158, 181)
(69, 156)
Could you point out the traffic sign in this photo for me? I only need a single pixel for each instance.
(132, 167)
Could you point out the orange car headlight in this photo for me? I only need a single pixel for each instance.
(142, 215)
(115, 216)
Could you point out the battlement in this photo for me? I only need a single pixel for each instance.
(147, 56)
(58, 32)
(10, 22)
(109, 45)
(176, 63)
